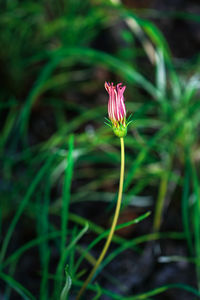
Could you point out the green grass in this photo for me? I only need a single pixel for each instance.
(57, 155)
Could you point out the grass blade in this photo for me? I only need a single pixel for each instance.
(66, 193)
(22, 291)
(22, 206)
(67, 286)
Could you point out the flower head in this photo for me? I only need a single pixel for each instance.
(116, 108)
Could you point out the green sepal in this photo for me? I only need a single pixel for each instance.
(108, 124)
(120, 131)
(129, 121)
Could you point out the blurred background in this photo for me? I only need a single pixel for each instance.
(60, 163)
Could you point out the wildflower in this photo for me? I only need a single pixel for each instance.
(116, 109)
(117, 116)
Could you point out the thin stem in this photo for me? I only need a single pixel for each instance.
(114, 223)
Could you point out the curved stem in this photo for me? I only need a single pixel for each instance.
(114, 223)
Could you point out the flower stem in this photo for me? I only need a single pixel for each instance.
(114, 223)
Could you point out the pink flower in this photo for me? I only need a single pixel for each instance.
(116, 105)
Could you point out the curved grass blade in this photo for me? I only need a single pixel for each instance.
(105, 234)
(63, 259)
(22, 206)
(93, 56)
(163, 289)
(67, 286)
(137, 241)
(29, 245)
(37, 89)
(20, 289)
(142, 296)
(66, 193)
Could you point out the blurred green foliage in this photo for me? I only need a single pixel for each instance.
(56, 153)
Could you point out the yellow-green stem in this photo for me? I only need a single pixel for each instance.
(114, 223)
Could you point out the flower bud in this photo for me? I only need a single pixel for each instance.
(116, 108)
